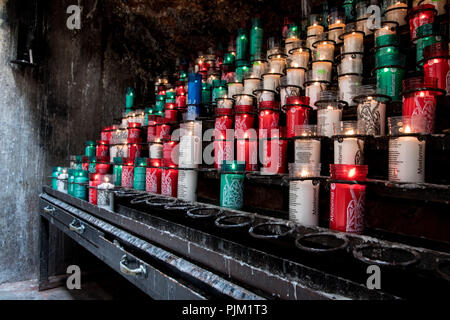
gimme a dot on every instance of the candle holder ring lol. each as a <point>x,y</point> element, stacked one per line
<point>299,48</point>
<point>365,182</point>
<point>159,201</point>
<point>340,137</point>
<point>242,95</point>
<point>255,92</point>
<point>322,242</point>
<point>353,54</point>
<point>393,66</point>
<point>319,138</point>
<point>307,83</point>
<point>329,41</point>
<point>234,221</point>
<point>278,55</point>
<point>203,213</point>
<point>441,91</point>
<point>180,206</point>
<point>341,103</point>
<point>420,62</point>
<point>392,256</point>
<point>271,230</point>
<point>418,135</point>
<point>142,198</point>
<point>362,97</point>
<point>126,193</point>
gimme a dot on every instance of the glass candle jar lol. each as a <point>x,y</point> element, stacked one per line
<point>127,173</point>
<point>229,58</point>
<point>244,99</point>
<point>224,121</point>
<point>129,98</point>
<point>418,16</point>
<point>194,89</point>
<point>117,171</point>
<point>299,57</point>
<point>307,145</point>
<point>389,81</point>
<point>139,174</point>
<point>265,95</point>
<point>171,113</point>
<point>242,44</point>
<point>336,24</point>
<point>105,194</point>
<point>235,88</point>
<point>94,181</point>
<point>348,84</point>
<point>386,35</point>
<point>277,64</point>
<point>153,176</point>
<point>269,120</point>
<point>313,90</point>
<point>89,149</point>
<point>274,155</point>
<point>437,64</point>
<point>395,10</point>
<point>134,130</point>
<point>322,70</point>
<point>170,153</point>
<point>102,148</point>
<point>80,181</point>
<point>256,39</point>
<point>304,193</point>
<point>427,35</point>
<point>329,113</point>
<point>371,111</point>
<point>259,68</point>
<point>187,185</point>
<point>353,39</point>
<point>271,81</point>
<point>314,30</point>
<point>232,185</point>
<point>323,49</point>
<point>62,184</point>
<point>296,115</point>
<point>419,99</point>
<point>134,148</point>
<point>310,40</point>
<point>347,200</point>
<point>206,94</point>
<point>251,84</point>
<point>169,181</point>
<point>348,149</point>
<point>190,146</point>
<point>406,149</point>
<point>350,63</point>
<point>439,5</point>
<point>56,171</point>
<point>286,92</point>
<point>70,181</point>
<point>244,120</point>
<point>224,103</point>
<point>247,149</point>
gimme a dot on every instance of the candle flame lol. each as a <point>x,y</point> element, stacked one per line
<point>304,173</point>
<point>422,94</point>
<point>407,129</point>
<point>350,132</point>
<point>352,173</point>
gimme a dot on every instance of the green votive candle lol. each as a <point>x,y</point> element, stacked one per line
<point>206,93</point>
<point>89,150</point>
<point>140,167</point>
<point>55,173</point>
<point>232,184</point>
<point>80,188</point>
<point>389,81</point>
<point>242,45</point>
<point>92,164</point>
<point>256,39</point>
<point>129,98</point>
<point>117,171</point>
<point>70,181</point>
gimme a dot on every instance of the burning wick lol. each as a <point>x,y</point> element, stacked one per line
<point>352,173</point>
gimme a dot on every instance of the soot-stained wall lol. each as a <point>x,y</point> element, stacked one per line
<point>46,114</point>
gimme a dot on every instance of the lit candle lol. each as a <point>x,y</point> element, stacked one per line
<point>313,90</point>
<point>314,30</point>
<point>244,121</point>
<point>102,148</point>
<point>389,81</point>
<point>437,64</point>
<point>226,103</point>
<point>351,63</point>
<point>299,57</point>
<point>232,185</point>
<point>134,148</point>
<point>296,115</point>
<point>169,182</point>
<point>117,172</point>
<point>277,64</point>
<point>127,173</point>
<point>251,84</point>
<point>94,181</point>
<point>347,201</point>
<point>274,156</point>
<point>324,50</point>
<point>268,122</point>
<point>265,95</point>
<point>153,177</point>
<point>271,81</point>
<point>235,88</point>
<point>307,145</point>
<point>80,181</point>
<point>223,122</point>
<point>335,30</point>
<point>90,149</point>
<point>386,35</point>
<point>304,194</point>
<point>244,99</point>
<point>310,40</point>
<point>247,151</point>
<point>321,70</point>
<point>55,173</point>
<point>418,16</point>
<point>439,5</point>
<point>396,10</point>
<point>156,150</point>
<point>329,116</point>
<point>371,110</point>
<point>223,151</point>
<point>348,84</point>
<point>353,41</point>
<point>259,68</point>
<point>105,196</point>
<point>140,174</point>
<point>406,153</point>
<point>348,149</point>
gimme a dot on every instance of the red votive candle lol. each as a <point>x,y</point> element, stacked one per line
<point>134,130</point>
<point>151,128</point>
<point>134,148</point>
<point>170,154</point>
<point>85,163</point>
<point>223,151</point>
<point>296,115</point>
<point>153,176</point>
<point>106,134</point>
<point>170,112</point>
<point>419,99</point>
<point>347,201</point>
<point>247,150</point>
<point>418,16</point>
<point>437,64</point>
<point>169,182</point>
<point>102,148</point>
<point>102,165</point>
<point>269,120</point>
<point>244,120</point>
<point>180,102</point>
<point>224,121</point>
<point>127,173</point>
<point>163,130</point>
<point>94,180</point>
<point>274,156</point>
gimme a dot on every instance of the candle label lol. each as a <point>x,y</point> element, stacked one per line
<point>127,176</point>
<point>327,119</point>
<point>424,106</point>
<point>153,180</point>
<point>295,117</point>
<point>307,151</point>
<point>247,151</point>
<point>347,207</point>
<point>93,192</point>
<point>304,202</point>
<point>169,180</point>
<point>223,150</point>
<point>232,191</point>
<point>187,185</point>
<point>349,151</point>
<point>407,160</point>
<point>371,116</point>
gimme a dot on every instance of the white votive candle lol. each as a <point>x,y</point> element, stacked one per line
<point>397,12</point>
<point>304,202</point>
<point>321,71</point>
<point>324,51</point>
<point>406,160</point>
<point>349,151</point>
<point>347,87</point>
<point>271,81</point>
<point>354,42</point>
<point>187,185</point>
<point>327,119</point>
<point>295,76</point>
<point>307,151</point>
<point>299,58</point>
<point>235,88</point>
<point>314,30</point>
<point>335,30</point>
<point>251,84</point>
<point>277,64</point>
<point>105,196</point>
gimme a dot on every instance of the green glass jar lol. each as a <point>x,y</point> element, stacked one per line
<point>256,39</point>
<point>349,9</point>
<point>89,150</point>
<point>92,164</point>
<point>140,167</point>
<point>386,40</point>
<point>229,58</point>
<point>390,81</point>
<point>170,97</point>
<point>242,44</point>
<point>206,93</point>
<point>71,180</point>
<point>129,98</point>
<point>80,189</point>
<point>55,173</point>
<point>241,72</point>
<point>160,97</point>
<point>79,162</point>
<point>232,184</point>
<point>117,171</point>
